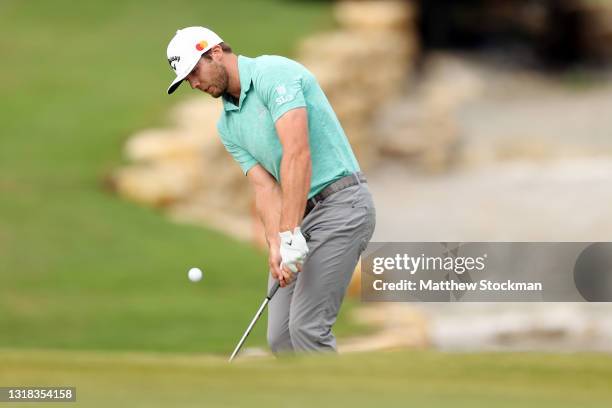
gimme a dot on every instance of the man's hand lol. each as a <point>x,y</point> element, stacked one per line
<point>293,251</point>
<point>274,262</point>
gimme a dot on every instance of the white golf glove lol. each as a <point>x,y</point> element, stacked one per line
<point>293,249</point>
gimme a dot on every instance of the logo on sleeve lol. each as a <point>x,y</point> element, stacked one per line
<point>281,90</point>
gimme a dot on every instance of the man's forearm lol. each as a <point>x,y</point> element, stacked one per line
<point>268,204</point>
<point>295,183</point>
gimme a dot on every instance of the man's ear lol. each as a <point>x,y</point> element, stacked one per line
<point>216,52</point>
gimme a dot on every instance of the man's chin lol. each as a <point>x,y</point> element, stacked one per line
<point>213,94</point>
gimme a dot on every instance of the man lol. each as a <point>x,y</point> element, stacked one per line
<point>317,212</point>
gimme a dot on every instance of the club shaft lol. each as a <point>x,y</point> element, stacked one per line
<point>257,316</point>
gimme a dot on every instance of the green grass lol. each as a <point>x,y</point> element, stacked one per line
<point>423,379</point>
<point>79,267</point>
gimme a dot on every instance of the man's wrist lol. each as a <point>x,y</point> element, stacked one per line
<point>273,241</point>
<point>287,227</point>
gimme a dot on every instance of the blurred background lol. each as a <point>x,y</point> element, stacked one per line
<point>474,120</point>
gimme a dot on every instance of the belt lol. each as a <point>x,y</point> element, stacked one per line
<point>338,185</point>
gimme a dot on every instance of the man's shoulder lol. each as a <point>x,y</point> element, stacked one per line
<point>271,64</point>
<point>266,61</point>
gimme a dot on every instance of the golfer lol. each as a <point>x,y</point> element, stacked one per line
<point>312,198</point>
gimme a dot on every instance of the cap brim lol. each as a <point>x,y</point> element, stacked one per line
<point>175,84</point>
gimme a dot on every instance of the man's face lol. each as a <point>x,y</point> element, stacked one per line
<point>208,76</point>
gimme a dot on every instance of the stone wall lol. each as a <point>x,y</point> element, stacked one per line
<point>185,169</point>
<point>366,68</point>
<point>367,61</point>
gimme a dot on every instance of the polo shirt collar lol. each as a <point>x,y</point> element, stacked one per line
<point>245,72</point>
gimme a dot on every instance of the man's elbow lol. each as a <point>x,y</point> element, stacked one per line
<point>299,154</point>
<point>261,180</point>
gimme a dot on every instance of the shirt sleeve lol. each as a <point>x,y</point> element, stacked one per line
<point>281,89</point>
<point>240,155</point>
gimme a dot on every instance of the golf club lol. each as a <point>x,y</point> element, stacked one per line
<point>257,315</point>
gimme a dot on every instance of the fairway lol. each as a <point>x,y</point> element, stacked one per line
<point>420,379</point>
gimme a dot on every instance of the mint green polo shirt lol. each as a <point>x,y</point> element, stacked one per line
<point>270,87</point>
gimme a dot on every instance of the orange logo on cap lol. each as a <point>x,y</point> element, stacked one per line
<point>201,45</point>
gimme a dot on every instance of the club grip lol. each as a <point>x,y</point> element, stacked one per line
<point>273,290</point>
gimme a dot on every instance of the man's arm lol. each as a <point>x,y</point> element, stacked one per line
<point>296,167</point>
<point>268,201</point>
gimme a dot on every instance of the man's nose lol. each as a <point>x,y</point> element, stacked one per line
<point>192,82</point>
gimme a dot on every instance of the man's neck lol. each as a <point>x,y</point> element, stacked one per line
<point>233,86</point>
<point>232,99</point>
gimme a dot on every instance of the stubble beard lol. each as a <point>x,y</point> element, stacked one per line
<point>220,83</point>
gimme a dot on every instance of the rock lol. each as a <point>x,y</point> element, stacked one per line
<point>374,15</point>
<point>354,288</point>
<point>421,127</point>
<point>198,114</point>
<point>399,326</point>
<point>162,144</point>
<point>450,81</point>
<point>160,183</point>
<point>363,64</point>
<point>416,134</point>
<point>597,38</point>
<point>186,170</point>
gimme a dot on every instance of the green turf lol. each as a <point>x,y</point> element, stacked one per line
<point>414,379</point>
<point>79,267</point>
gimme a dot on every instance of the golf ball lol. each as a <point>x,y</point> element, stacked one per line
<point>195,274</point>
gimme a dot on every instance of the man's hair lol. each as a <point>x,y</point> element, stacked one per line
<point>224,46</point>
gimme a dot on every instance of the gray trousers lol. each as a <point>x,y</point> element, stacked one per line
<point>301,315</point>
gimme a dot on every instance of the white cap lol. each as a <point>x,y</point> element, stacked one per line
<point>185,49</point>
